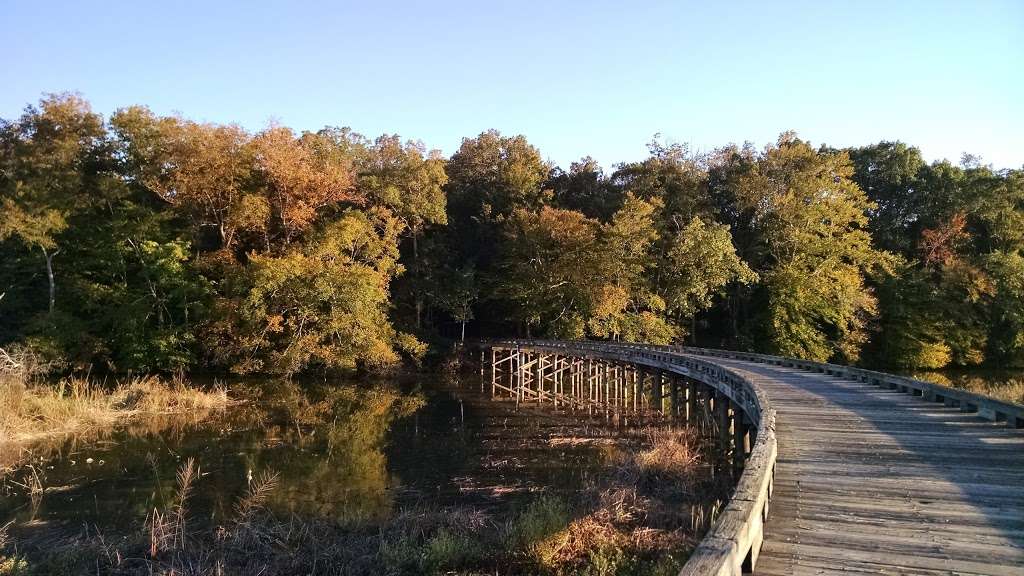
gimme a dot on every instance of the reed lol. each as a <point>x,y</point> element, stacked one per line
<point>621,524</point>
<point>35,409</point>
<point>642,517</point>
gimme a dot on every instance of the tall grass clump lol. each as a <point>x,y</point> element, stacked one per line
<point>34,407</point>
<point>640,521</point>
<point>541,518</point>
<point>1011,390</point>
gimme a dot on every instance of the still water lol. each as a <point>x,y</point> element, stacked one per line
<point>351,453</point>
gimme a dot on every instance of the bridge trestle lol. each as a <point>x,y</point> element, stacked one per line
<point>622,391</point>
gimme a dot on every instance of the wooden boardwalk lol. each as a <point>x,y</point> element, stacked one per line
<point>871,481</point>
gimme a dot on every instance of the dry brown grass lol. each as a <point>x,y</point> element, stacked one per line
<point>644,514</point>
<point>34,410</point>
<point>1008,391</point>
<point>998,384</point>
<point>671,455</point>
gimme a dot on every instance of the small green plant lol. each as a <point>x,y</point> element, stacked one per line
<point>541,518</point>
<point>448,549</point>
<point>605,560</point>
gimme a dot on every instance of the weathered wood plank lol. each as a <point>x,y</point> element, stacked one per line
<point>874,481</point>
<point>869,473</point>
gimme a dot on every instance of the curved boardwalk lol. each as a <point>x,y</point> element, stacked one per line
<point>871,481</point>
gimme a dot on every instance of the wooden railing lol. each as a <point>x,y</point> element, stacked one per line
<point>983,406</point>
<point>733,542</point>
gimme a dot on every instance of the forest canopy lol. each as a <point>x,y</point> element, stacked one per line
<point>147,242</point>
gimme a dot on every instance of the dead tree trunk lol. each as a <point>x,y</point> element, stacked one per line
<point>49,275</point>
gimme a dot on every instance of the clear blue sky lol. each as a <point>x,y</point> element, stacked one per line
<point>577,78</point>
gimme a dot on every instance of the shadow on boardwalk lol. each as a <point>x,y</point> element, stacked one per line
<point>878,481</point>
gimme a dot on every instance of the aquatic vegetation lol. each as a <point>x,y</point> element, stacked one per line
<point>641,519</point>
<point>671,456</point>
<point>35,410</point>
<point>302,481</point>
<point>40,412</point>
<point>542,518</point>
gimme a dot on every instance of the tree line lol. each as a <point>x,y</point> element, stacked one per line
<point>147,242</point>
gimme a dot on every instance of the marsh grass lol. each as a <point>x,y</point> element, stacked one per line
<point>629,522</point>
<point>35,409</point>
<point>635,517</point>
<point>1005,385</point>
<point>643,519</point>
<point>1008,391</point>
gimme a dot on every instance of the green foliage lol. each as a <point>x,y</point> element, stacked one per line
<point>960,230</point>
<point>671,175</point>
<point>174,241</point>
<point>911,321</point>
<point>47,157</point>
<point>325,303</point>
<point>493,175</point>
<point>700,263</point>
<point>814,251</point>
<point>158,243</point>
<point>585,188</point>
<point>126,292</point>
<point>890,174</point>
<point>548,268</point>
<point>407,180</point>
<point>448,549</point>
<point>149,326</point>
<point>540,519</point>
<point>1007,270</point>
<point>627,308</point>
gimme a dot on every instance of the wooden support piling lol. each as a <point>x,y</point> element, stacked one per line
<point>691,402</point>
<point>740,442</point>
<point>722,414</point>
<point>674,383</point>
<point>657,402</point>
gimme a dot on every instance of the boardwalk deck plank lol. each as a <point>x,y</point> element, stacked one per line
<point>856,478</point>
<point>872,481</point>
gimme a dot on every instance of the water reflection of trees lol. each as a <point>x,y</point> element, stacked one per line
<point>325,442</point>
<point>336,467</point>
